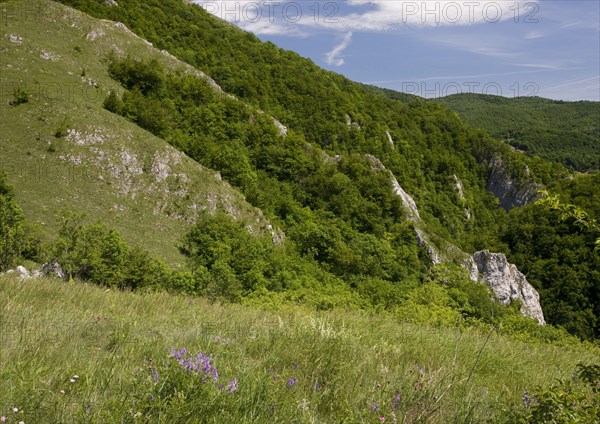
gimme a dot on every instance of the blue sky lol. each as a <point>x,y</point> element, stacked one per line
<point>548,48</point>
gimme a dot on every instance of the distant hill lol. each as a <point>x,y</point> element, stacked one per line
<point>559,131</point>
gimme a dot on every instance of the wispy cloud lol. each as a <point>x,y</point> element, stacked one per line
<point>333,57</point>
<point>532,35</point>
<point>575,89</point>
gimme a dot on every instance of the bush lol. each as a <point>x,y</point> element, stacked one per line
<point>100,255</point>
<point>20,96</point>
<point>12,233</point>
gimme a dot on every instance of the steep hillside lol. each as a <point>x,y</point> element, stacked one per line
<point>376,195</point>
<point>563,132</point>
<point>62,149</point>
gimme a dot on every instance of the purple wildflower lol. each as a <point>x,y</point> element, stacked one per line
<point>199,364</point>
<point>396,401</point>
<point>526,399</point>
<point>154,375</point>
<point>233,385</point>
<point>317,386</point>
<point>291,382</point>
<point>374,407</point>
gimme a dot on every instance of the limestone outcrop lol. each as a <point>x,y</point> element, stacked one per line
<point>508,283</point>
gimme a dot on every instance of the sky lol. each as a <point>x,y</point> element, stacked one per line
<point>433,48</point>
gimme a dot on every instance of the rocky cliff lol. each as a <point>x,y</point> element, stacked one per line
<point>508,283</point>
<point>510,190</point>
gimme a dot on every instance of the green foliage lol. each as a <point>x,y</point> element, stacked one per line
<point>21,96</point>
<point>113,103</point>
<point>566,402</point>
<point>61,130</point>
<point>472,299</point>
<point>100,255</point>
<point>12,232</point>
<point>559,258</point>
<point>563,132</point>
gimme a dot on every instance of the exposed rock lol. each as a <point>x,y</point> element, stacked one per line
<point>280,127</point>
<point>97,33</point>
<point>89,81</point>
<point>470,265</point>
<point>49,56</point>
<point>22,271</point>
<point>390,139</point>
<point>277,236</point>
<point>423,243</point>
<point>331,159</point>
<point>123,27</point>
<point>111,2</point>
<point>15,39</point>
<point>351,124</point>
<point>52,269</point>
<point>510,191</point>
<point>407,201</point>
<point>508,283</point>
<point>85,138</point>
<point>460,189</point>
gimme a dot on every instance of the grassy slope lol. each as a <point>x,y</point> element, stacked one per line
<point>53,330</point>
<point>113,170</point>
<point>564,132</point>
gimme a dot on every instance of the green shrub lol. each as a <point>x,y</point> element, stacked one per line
<point>12,232</point>
<point>20,95</point>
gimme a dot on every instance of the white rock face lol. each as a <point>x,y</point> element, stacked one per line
<point>282,129</point>
<point>407,201</point>
<point>470,265</point>
<point>390,139</point>
<point>508,283</point>
<point>423,243</point>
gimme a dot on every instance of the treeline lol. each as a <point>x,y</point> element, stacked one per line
<point>564,132</point>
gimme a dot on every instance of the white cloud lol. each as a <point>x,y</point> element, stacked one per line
<point>532,35</point>
<point>374,15</point>
<point>332,58</point>
<point>384,14</point>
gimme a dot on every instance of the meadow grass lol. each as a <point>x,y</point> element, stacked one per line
<point>291,365</point>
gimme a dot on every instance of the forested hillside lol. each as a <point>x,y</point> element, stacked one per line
<point>559,131</point>
<point>337,233</point>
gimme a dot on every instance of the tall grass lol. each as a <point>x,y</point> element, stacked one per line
<point>291,365</point>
